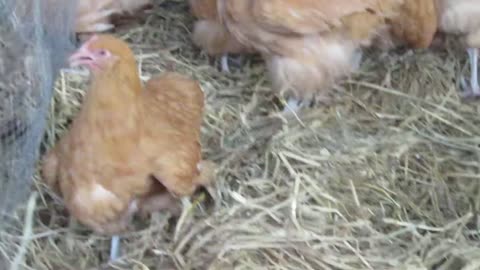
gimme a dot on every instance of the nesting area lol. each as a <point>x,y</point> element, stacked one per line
<point>386,176</point>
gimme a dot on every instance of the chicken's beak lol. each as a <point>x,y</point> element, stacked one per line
<point>82,57</point>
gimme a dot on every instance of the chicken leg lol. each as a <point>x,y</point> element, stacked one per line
<point>149,204</point>
<point>115,242</point>
<point>224,62</point>
<point>472,90</point>
<point>114,248</point>
<point>293,105</point>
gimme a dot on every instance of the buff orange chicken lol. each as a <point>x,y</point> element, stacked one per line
<point>131,148</point>
<point>309,44</point>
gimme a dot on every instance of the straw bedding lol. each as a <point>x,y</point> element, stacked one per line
<point>384,177</point>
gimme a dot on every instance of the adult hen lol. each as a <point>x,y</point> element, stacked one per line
<point>462,17</point>
<point>130,148</point>
<point>211,35</point>
<point>95,16</point>
<point>309,44</point>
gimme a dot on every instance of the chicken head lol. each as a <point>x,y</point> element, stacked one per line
<point>100,52</point>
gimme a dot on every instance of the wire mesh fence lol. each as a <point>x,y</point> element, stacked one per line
<point>34,39</point>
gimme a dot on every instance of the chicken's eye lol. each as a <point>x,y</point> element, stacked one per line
<point>102,53</point>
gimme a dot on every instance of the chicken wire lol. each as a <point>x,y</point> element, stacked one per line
<point>35,36</point>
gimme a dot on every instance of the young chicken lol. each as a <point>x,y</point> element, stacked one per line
<point>130,148</point>
<point>211,35</point>
<point>462,17</point>
<point>310,44</point>
<point>94,16</point>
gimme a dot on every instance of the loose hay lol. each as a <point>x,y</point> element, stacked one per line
<point>385,178</point>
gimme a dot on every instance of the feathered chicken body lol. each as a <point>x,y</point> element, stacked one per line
<point>310,44</point>
<point>307,44</point>
<point>130,148</point>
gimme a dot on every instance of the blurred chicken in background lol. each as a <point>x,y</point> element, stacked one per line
<point>462,17</point>
<point>308,45</point>
<point>95,15</point>
<point>131,148</point>
<point>211,35</point>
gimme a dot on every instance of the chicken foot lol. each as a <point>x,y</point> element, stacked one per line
<point>294,105</point>
<point>224,62</point>
<point>472,90</point>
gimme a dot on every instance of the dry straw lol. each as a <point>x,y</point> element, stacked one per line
<point>387,177</point>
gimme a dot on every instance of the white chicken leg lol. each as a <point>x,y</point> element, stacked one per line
<point>225,59</point>
<point>473,90</point>
<point>224,63</point>
<point>114,247</point>
<point>293,105</point>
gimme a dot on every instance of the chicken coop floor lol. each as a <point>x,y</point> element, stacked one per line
<point>384,177</point>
